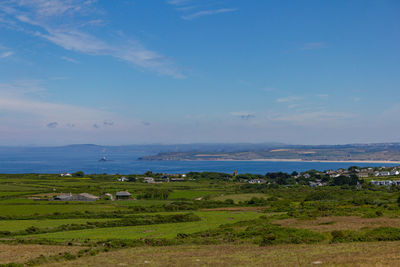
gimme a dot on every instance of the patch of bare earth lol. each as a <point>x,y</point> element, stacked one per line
<point>339,223</point>
<point>22,253</point>
<point>346,254</point>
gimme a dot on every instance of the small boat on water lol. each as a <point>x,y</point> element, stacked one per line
<point>104,159</point>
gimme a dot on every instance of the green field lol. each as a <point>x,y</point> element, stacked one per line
<point>186,194</point>
<point>40,209</point>
<point>240,220</point>
<point>239,197</point>
<point>209,220</point>
<point>16,225</point>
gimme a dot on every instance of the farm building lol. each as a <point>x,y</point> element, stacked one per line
<point>77,197</point>
<point>108,196</point>
<point>123,195</point>
<point>149,180</point>
<point>63,197</point>
<point>84,197</point>
<point>65,174</point>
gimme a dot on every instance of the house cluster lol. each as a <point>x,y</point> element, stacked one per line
<point>361,173</point>
<point>386,182</point>
<point>316,183</point>
<point>164,178</point>
<point>257,181</point>
<point>365,172</point>
<point>175,175</point>
<point>393,172</point>
<point>89,197</point>
<point>65,174</point>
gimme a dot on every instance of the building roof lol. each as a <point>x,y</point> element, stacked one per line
<point>63,195</point>
<point>88,195</point>
<point>123,194</point>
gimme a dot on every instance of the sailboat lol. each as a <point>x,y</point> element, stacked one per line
<point>103,159</point>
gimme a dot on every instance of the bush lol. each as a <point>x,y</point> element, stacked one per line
<point>268,240</point>
<point>229,201</point>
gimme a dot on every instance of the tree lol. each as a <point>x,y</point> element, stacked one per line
<point>398,201</point>
<point>345,180</point>
<point>78,174</point>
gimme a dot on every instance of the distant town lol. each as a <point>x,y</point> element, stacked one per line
<point>354,175</point>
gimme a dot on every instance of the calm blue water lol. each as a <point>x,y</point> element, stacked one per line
<point>37,161</point>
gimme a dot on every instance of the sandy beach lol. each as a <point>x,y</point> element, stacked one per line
<point>301,160</point>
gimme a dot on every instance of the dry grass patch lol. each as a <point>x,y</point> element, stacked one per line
<point>346,254</point>
<point>339,223</point>
<point>22,253</point>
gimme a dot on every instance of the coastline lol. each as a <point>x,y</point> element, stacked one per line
<point>299,160</point>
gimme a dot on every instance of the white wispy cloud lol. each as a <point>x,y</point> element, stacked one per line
<point>208,12</point>
<point>292,106</point>
<point>6,54</point>
<point>69,59</point>
<point>48,111</point>
<point>22,87</point>
<point>23,100</point>
<point>193,9</point>
<point>289,99</point>
<point>72,33</point>
<point>178,2</point>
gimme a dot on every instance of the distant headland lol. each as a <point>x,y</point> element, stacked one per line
<point>357,153</point>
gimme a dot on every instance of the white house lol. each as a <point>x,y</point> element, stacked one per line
<point>149,180</point>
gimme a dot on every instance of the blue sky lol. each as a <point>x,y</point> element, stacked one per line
<point>182,71</point>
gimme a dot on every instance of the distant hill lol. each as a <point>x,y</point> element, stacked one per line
<point>350,152</point>
<point>240,151</point>
<point>142,149</point>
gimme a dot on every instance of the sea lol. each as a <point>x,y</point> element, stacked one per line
<point>127,162</point>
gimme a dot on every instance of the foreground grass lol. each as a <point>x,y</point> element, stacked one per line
<point>349,254</point>
<point>209,220</point>
<point>22,253</point>
<point>323,224</point>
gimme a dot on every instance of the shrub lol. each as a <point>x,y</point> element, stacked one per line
<point>268,239</point>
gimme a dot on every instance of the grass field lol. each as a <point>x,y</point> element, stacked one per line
<point>186,194</point>
<point>323,224</point>
<point>141,202</point>
<point>20,210</point>
<point>16,225</point>
<point>301,226</point>
<point>6,194</point>
<point>239,197</point>
<point>350,254</point>
<point>209,220</point>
